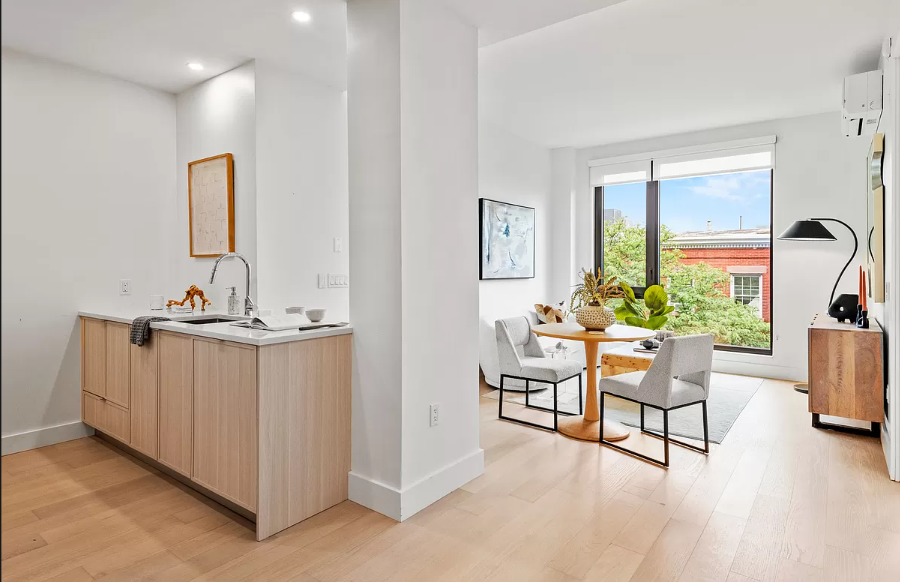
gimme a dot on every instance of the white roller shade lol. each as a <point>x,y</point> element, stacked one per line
<point>744,159</point>
<point>621,173</point>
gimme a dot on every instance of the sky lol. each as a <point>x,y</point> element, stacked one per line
<point>687,203</point>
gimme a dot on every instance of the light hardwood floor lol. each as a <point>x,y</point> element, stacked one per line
<point>778,500</point>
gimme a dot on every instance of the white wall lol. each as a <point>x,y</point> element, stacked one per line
<point>439,230</point>
<point>88,162</point>
<point>511,169</point>
<point>414,290</point>
<point>301,190</point>
<point>818,173</point>
<point>215,117</point>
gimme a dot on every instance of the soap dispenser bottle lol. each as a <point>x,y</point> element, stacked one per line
<point>234,304</point>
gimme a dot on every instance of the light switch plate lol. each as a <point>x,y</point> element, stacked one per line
<point>338,244</point>
<point>124,286</point>
<point>323,280</point>
<point>338,280</point>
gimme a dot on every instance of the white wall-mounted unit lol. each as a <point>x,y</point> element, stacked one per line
<point>863,100</point>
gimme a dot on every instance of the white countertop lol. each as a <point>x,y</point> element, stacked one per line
<point>222,331</point>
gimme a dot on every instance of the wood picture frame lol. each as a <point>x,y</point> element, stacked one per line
<point>211,206</point>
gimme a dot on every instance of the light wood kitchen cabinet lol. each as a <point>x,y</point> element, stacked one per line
<point>225,428</point>
<point>176,371</point>
<point>145,396</point>
<point>261,426</point>
<point>118,363</point>
<point>93,356</point>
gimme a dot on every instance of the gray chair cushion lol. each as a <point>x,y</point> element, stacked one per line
<point>629,386</point>
<point>549,370</point>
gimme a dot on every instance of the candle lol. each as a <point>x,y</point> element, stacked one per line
<point>864,302</point>
<point>859,288</point>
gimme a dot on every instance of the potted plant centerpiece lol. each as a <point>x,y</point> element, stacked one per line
<point>651,315</point>
<point>589,300</point>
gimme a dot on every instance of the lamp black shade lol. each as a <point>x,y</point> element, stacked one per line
<point>807,230</point>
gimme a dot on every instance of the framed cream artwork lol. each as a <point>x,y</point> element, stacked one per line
<point>211,205</point>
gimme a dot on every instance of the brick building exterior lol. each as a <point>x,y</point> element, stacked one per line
<point>743,254</point>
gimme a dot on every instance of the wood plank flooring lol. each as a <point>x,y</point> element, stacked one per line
<point>777,500</point>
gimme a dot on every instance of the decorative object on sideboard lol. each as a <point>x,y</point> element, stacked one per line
<point>652,314</point>
<point>812,229</point>
<point>589,299</point>
<point>506,240</point>
<point>862,317</point>
<point>844,308</point>
<point>189,295</point>
<point>875,221</point>
<point>211,206</point>
<point>550,313</point>
<point>157,302</point>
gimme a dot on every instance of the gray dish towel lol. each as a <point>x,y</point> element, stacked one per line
<point>140,328</point>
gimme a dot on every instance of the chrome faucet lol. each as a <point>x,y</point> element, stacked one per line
<point>248,303</point>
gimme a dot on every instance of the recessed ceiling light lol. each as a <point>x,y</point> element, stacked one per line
<point>301,16</point>
<point>195,66</point>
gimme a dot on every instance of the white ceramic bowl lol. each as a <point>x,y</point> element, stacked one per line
<point>315,315</point>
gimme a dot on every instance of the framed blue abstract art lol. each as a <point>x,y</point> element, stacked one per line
<point>506,240</point>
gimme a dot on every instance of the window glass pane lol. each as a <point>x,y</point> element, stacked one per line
<point>624,232</point>
<point>715,241</point>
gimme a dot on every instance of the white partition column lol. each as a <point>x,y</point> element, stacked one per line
<point>413,146</point>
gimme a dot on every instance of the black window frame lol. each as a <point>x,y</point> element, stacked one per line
<point>653,254</point>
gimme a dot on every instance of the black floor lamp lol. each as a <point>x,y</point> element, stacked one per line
<point>812,229</point>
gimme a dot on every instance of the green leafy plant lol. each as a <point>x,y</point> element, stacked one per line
<point>652,314</point>
<point>594,290</point>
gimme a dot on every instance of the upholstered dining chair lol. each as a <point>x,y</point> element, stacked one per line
<point>521,357</point>
<point>678,377</point>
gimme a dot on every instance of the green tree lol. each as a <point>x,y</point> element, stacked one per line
<point>696,291</point>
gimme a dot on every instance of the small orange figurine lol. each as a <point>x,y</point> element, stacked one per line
<point>189,295</point>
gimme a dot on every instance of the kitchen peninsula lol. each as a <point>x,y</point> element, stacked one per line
<point>257,420</point>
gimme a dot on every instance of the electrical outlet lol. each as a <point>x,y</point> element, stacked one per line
<point>338,244</point>
<point>434,412</point>
<point>124,286</point>
<point>323,281</point>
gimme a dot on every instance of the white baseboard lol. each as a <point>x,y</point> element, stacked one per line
<point>43,437</point>
<point>757,370</point>
<point>401,505</point>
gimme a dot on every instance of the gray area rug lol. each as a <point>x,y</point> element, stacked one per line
<point>728,395</point>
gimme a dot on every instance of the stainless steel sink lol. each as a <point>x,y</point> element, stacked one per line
<point>205,320</point>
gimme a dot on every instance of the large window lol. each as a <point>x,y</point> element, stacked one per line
<point>702,229</point>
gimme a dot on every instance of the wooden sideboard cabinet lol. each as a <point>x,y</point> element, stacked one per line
<point>846,373</point>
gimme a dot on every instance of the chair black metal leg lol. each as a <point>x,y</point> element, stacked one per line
<point>602,407</point>
<point>666,435</point>
<point>705,430</point>
<point>526,392</point>
<point>580,397</point>
<point>500,413</point>
<point>642,418</point>
<point>555,408</point>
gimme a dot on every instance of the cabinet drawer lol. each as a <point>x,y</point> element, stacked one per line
<point>106,416</point>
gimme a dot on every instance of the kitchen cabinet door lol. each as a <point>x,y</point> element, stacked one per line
<point>118,363</point>
<point>176,365</point>
<point>225,420</point>
<point>93,356</point>
<point>145,396</point>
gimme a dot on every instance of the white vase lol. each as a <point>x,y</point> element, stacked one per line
<point>595,318</point>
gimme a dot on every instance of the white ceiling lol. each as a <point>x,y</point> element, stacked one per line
<point>646,68</point>
<point>502,19</point>
<point>151,41</point>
